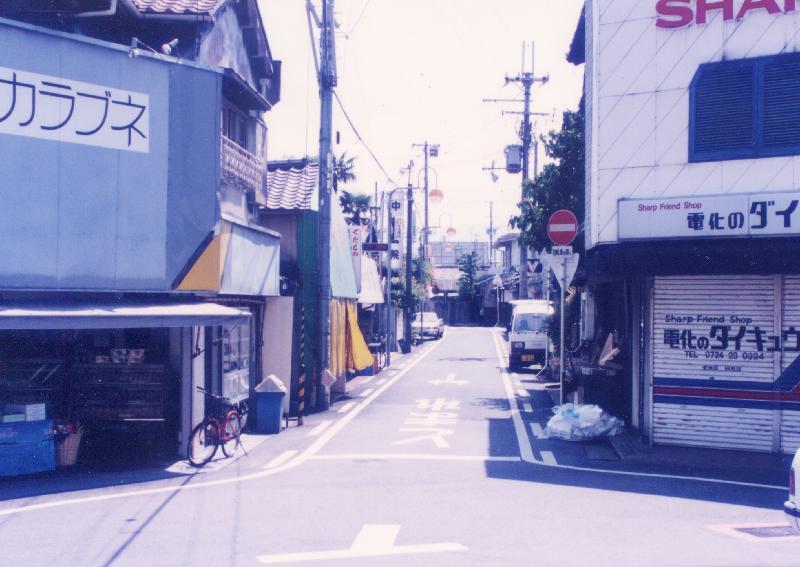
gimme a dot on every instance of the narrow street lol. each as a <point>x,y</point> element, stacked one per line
<point>433,462</point>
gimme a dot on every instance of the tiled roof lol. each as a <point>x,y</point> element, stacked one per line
<point>178,6</point>
<point>292,185</point>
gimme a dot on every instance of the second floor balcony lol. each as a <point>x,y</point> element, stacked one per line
<point>241,168</point>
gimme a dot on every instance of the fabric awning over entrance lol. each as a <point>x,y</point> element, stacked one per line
<point>116,316</point>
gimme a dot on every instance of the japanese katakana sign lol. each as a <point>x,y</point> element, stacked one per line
<point>53,108</point>
<point>767,214</point>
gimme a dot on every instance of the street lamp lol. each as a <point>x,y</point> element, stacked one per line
<point>451,231</point>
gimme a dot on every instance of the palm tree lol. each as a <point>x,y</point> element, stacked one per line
<point>343,170</point>
<point>355,205</point>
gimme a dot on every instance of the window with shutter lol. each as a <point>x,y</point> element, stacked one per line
<point>724,111</point>
<point>746,109</point>
<point>781,105</point>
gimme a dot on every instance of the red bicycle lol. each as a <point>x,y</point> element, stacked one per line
<point>222,425</point>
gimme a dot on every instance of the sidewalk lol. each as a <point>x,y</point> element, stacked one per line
<point>261,451</point>
<point>630,453</point>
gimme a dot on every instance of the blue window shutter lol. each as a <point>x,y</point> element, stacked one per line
<point>781,105</point>
<point>724,112</point>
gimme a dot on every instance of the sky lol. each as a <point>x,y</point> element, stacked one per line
<point>412,71</point>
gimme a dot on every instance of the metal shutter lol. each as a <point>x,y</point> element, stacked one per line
<point>781,110</point>
<point>699,401</point>
<point>724,113</point>
<point>790,418</point>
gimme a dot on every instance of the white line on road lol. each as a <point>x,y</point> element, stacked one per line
<point>537,430</point>
<point>347,407</point>
<point>319,429</point>
<point>548,458</point>
<point>372,541</point>
<point>527,407</point>
<point>303,457</point>
<point>367,380</point>
<point>414,457</point>
<point>281,459</point>
<point>523,394</point>
<point>380,382</point>
<point>526,453</point>
<point>366,393</point>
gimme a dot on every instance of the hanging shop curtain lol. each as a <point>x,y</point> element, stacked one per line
<point>348,348</point>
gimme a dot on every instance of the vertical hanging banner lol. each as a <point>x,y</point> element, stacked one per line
<point>355,234</point>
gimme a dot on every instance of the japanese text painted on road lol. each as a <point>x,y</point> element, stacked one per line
<point>53,108</point>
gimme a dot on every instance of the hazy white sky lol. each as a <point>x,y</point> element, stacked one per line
<point>417,70</point>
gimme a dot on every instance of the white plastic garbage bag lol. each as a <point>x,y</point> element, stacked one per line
<point>573,422</point>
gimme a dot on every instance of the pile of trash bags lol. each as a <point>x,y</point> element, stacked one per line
<point>578,422</point>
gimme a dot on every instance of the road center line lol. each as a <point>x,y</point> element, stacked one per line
<point>524,442</point>
<point>347,407</point>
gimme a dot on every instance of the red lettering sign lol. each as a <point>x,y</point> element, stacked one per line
<point>674,14</point>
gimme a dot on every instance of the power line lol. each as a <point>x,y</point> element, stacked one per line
<point>360,139</point>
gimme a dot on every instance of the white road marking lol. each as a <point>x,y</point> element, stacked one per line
<point>319,429</point>
<point>366,393</point>
<point>414,457</point>
<point>527,407</point>
<point>347,407</point>
<point>537,430</point>
<point>526,453</point>
<point>548,458</point>
<point>372,541</point>
<point>284,457</point>
<point>367,380</point>
<point>523,394</point>
<point>449,381</point>
<point>380,382</point>
<point>302,458</point>
<point>732,530</point>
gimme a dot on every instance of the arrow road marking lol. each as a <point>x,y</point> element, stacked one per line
<point>372,541</point>
<point>449,381</point>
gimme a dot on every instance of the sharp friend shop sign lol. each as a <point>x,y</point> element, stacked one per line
<point>743,215</point>
<point>680,13</point>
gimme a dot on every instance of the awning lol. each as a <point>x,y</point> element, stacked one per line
<point>371,289</point>
<point>41,316</point>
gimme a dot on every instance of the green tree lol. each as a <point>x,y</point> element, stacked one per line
<point>344,170</point>
<point>561,185</point>
<point>469,265</point>
<point>355,207</point>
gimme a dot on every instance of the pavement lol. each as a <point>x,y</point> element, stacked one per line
<point>435,462</point>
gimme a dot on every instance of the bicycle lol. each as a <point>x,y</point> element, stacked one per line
<point>378,350</point>
<point>221,425</point>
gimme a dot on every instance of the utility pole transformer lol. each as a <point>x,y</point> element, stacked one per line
<point>327,82</point>
<point>527,80</point>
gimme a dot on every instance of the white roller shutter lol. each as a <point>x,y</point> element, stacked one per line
<point>697,369</point>
<point>790,417</point>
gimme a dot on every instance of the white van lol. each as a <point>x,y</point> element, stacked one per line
<point>528,336</point>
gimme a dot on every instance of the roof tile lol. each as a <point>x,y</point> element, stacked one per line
<point>292,185</point>
<point>177,6</point>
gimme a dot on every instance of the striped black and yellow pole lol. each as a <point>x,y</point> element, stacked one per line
<point>301,379</point>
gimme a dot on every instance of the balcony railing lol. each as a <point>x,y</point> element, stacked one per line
<point>239,167</point>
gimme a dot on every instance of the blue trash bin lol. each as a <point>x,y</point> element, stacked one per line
<point>269,412</point>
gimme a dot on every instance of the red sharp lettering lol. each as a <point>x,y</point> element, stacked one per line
<point>770,5</point>
<point>674,14</point>
<point>706,6</point>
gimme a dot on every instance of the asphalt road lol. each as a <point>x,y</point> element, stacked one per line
<point>429,464</point>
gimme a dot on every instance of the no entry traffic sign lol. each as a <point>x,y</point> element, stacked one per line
<point>562,227</point>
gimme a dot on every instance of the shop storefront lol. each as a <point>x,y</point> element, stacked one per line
<point>693,217</point>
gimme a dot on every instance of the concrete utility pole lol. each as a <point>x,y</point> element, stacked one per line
<point>409,242</point>
<point>327,82</point>
<point>527,80</point>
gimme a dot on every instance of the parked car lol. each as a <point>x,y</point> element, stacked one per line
<point>791,505</point>
<point>427,324</point>
<point>528,336</point>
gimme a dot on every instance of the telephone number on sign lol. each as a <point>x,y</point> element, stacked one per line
<point>716,355</point>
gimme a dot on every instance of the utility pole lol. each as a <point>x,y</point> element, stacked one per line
<point>409,241</point>
<point>527,79</point>
<point>327,82</point>
<point>491,234</point>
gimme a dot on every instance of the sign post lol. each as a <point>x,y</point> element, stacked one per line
<point>562,229</point>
